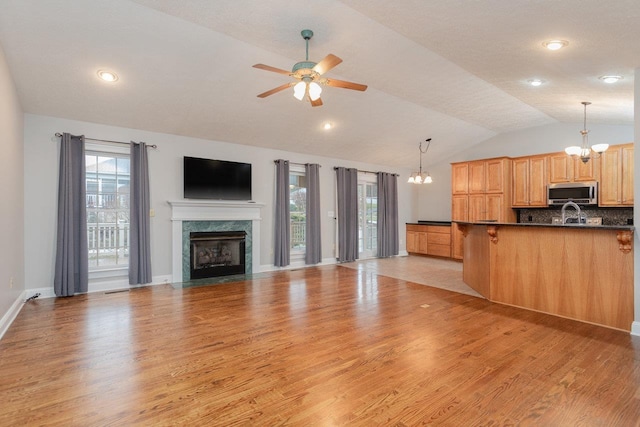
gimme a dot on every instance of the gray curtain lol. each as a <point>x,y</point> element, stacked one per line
<point>72,258</point>
<point>282,231</point>
<point>140,228</point>
<point>347,179</point>
<point>313,253</point>
<point>388,242</point>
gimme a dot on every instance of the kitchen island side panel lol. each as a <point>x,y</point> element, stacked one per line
<point>582,273</point>
<point>577,273</point>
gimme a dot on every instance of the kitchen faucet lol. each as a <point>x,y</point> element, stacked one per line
<point>573,205</point>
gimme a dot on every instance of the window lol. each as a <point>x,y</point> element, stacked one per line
<point>107,185</point>
<point>298,207</point>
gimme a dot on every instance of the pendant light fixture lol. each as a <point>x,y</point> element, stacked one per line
<point>420,177</point>
<point>584,151</point>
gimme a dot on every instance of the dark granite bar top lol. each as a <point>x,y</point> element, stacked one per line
<point>531,224</point>
<point>420,222</point>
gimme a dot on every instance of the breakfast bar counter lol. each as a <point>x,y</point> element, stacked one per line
<point>582,272</point>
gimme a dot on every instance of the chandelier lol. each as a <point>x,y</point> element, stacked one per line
<point>584,151</point>
<point>420,177</point>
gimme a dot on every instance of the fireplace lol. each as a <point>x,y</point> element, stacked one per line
<point>188,216</point>
<point>216,253</point>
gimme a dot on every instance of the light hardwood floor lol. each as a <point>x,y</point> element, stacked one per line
<point>319,346</point>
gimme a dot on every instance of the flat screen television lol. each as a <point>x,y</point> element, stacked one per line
<point>216,179</point>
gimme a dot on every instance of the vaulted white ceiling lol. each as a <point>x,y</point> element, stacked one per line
<point>455,70</point>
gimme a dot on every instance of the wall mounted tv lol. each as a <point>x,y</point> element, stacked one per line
<point>216,179</point>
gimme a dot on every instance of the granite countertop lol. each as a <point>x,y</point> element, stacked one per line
<point>421,222</point>
<point>532,224</point>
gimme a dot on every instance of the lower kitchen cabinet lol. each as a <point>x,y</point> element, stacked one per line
<point>432,240</point>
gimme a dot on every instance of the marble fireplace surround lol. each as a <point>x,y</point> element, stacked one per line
<point>212,212</point>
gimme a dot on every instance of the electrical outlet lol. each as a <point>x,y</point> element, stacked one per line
<point>11,283</point>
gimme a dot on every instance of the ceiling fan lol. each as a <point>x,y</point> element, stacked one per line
<point>309,76</point>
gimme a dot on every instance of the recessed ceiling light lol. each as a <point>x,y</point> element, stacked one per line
<point>327,126</point>
<point>535,82</point>
<point>107,76</point>
<point>555,44</point>
<point>610,79</point>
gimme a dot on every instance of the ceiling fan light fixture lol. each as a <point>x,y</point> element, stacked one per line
<point>299,90</point>
<point>314,91</point>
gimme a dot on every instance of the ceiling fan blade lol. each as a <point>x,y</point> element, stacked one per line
<point>276,90</point>
<point>345,85</point>
<point>326,64</point>
<point>316,103</point>
<point>274,69</point>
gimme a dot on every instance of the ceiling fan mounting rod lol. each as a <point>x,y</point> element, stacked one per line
<point>306,35</point>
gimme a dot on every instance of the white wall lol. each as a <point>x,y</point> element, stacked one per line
<point>11,194</point>
<point>165,164</point>
<point>434,200</point>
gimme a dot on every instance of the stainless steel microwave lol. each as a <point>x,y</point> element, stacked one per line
<point>582,193</point>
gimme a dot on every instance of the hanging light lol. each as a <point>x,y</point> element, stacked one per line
<point>314,91</point>
<point>420,177</point>
<point>584,151</point>
<point>299,90</point>
<point>306,86</point>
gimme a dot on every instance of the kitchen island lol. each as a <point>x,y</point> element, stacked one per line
<point>582,272</point>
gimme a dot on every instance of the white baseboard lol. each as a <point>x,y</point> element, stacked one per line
<point>635,328</point>
<point>103,286</point>
<point>11,314</point>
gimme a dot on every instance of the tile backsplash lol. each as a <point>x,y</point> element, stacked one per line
<point>611,216</point>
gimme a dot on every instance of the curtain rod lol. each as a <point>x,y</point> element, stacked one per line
<point>363,171</point>
<point>294,163</point>
<point>58,134</point>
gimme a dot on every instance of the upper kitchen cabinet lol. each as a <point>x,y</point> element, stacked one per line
<point>616,172</point>
<point>529,182</point>
<point>497,173</point>
<point>460,178</point>
<point>477,177</point>
<point>564,168</point>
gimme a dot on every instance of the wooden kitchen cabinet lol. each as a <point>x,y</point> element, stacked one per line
<point>560,168</point>
<point>477,177</point>
<point>529,182</point>
<point>439,241</point>
<point>489,207</point>
<point>481,176</point>
<point>497,175</point>
<point>429,239</point>
<point>616,172</point>
<point>487,197</point>
<point>460,178</point>
<point>589,171</point>
<point>459,212</point>
<point>416,239</point>
<point>564,168</point>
